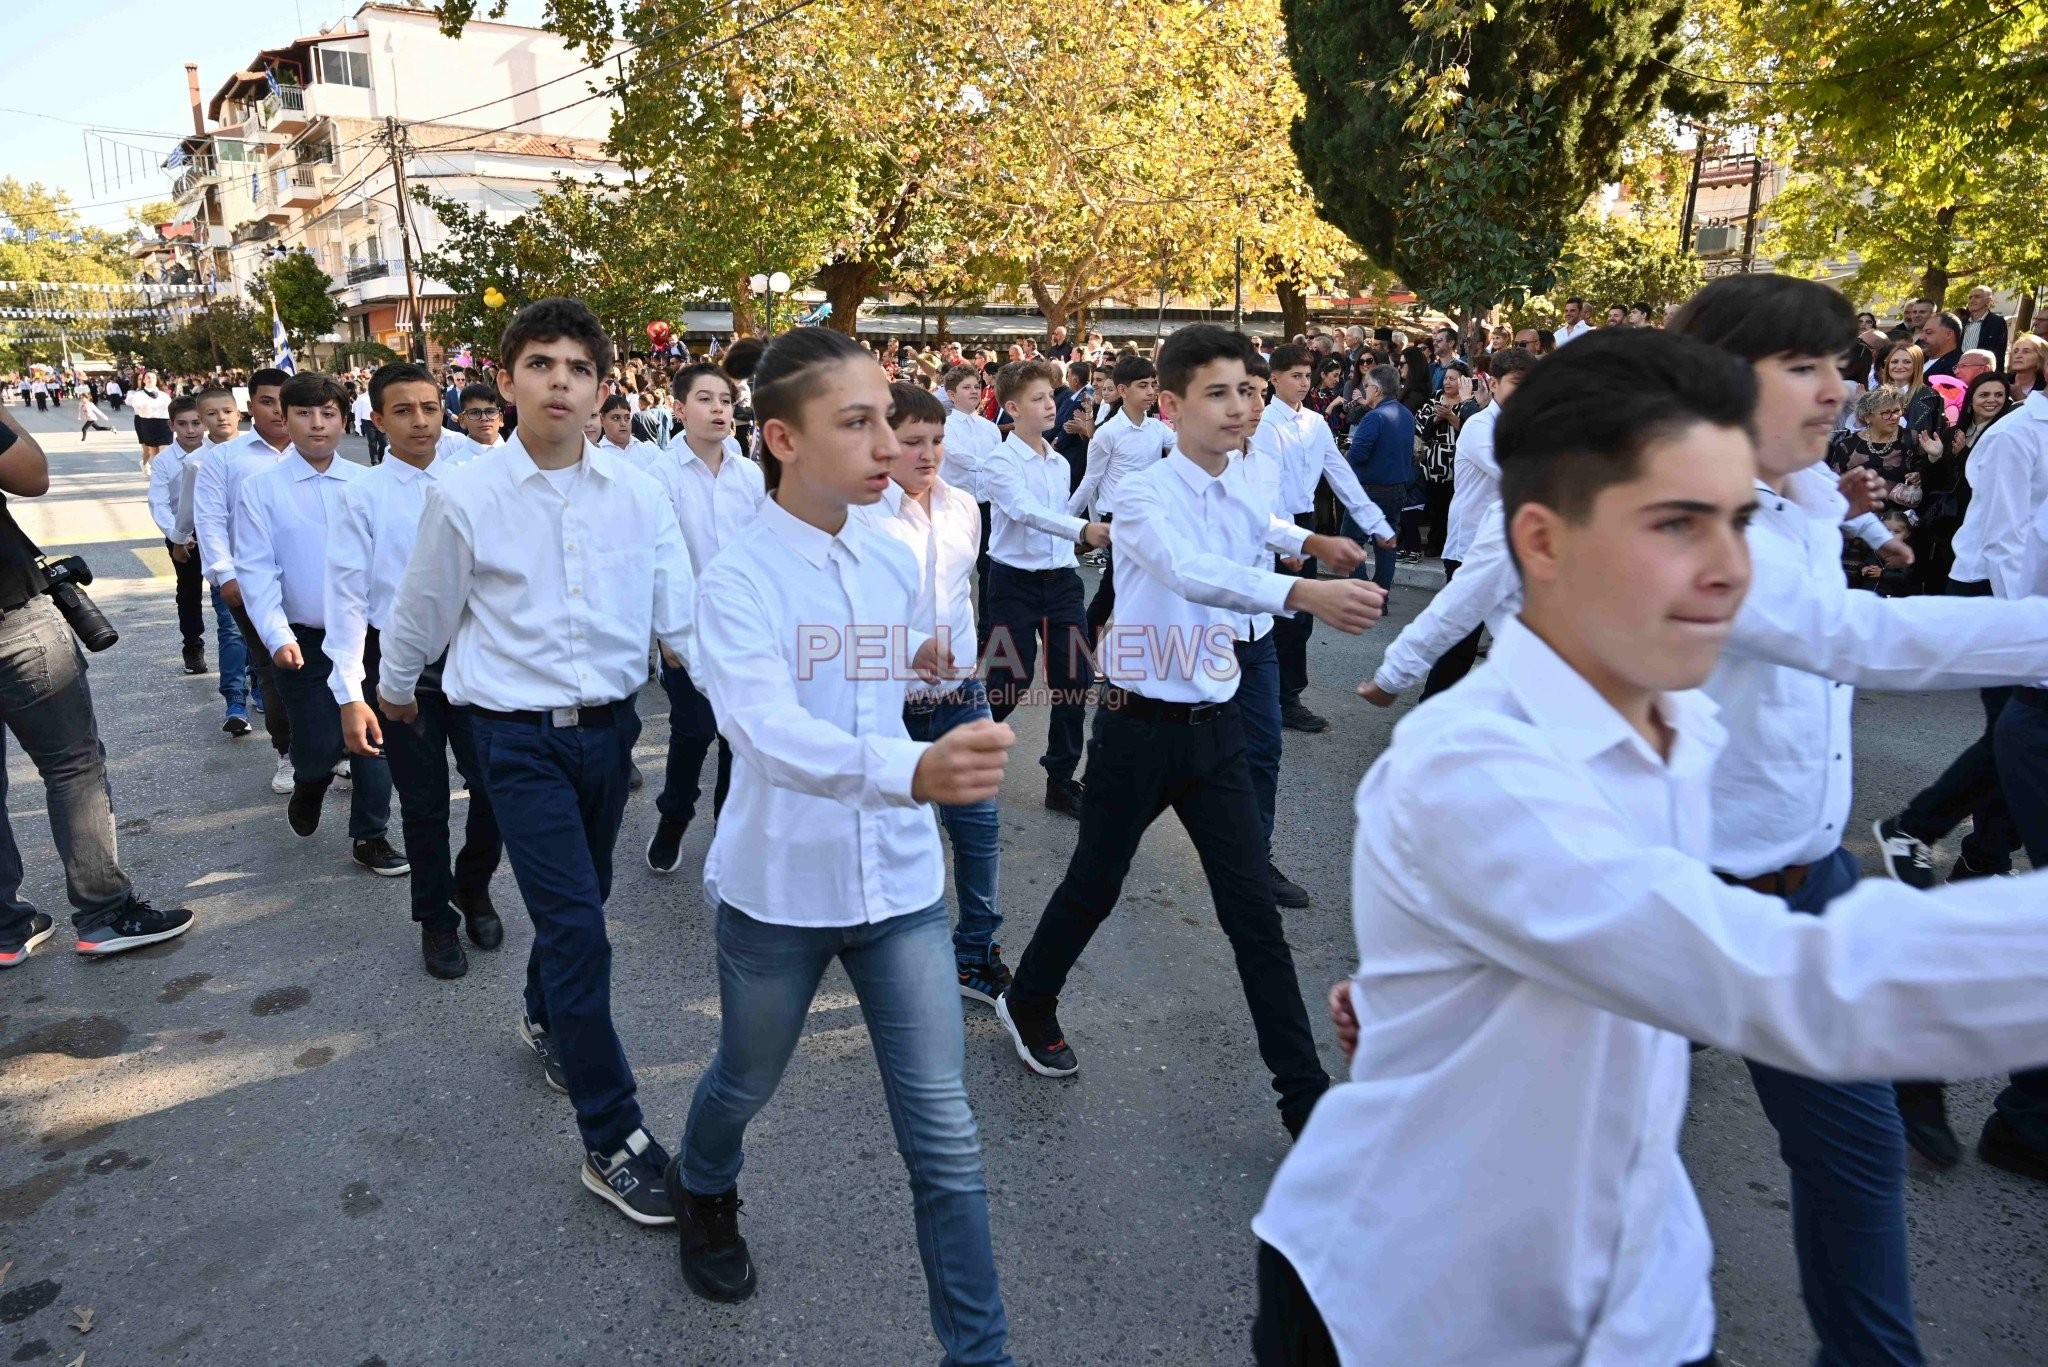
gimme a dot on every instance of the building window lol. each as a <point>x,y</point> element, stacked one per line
<point>339,66</point>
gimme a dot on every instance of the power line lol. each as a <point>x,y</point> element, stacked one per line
<point>81,123</point>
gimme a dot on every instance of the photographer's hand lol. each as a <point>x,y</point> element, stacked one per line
<point>287,656</point>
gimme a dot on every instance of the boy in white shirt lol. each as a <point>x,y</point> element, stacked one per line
<point>1126,442</point>
<point>482,415</point>
<point>970,440</point>
<point>166,478</point>
<point>219,418</point>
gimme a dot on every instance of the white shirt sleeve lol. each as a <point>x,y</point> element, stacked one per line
<point>1083,497</point>
<point>1147,532</point>
<point>1486,580</point>
<point>1870,529</point>
<point>163,479</point>
<point>210,516</point>
<point>256,568</point>
<point>2001,502</point>
<point>675,583</point>
<point>1006,491</point>
<point>1344,484</point>
<point>430,599</point>
<point>345,597</point>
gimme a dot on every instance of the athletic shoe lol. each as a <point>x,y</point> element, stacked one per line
<point>303,811</point>
<point>237,724</point>
<point>1063,795</point>
<point>2001,1146</point>
<point>442,952</point>
<point>1962,871</point>
<point>632,1179</point>
<point>716,1264</point>
<point>486,931</point>
<point>1039,1040</point>
<point>1906,859</point>
<point>1286,891</point>
<point>984,982</point>
<point>344,777</point>
<point>1923,1106</point>
<point>282,781</point>
<point>543,1046</point>
<point>1296,717</point>
<point>138,924</point>
<point>376,855</point>
<point>665,848</point>
<point>40,928</point>
<point>195,659</point>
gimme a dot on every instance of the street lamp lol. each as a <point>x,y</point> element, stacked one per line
<point>770,285</point>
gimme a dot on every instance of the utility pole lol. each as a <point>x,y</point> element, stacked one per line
<point>1756,185</point>
<point>393,140</point>
<point>1692,190</point>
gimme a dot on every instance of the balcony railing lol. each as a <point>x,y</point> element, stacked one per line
<point>285,104</point>
<point>368,270</point>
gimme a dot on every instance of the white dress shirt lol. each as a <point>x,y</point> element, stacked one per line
<point>1189,551</point>
<point>1486,592</point>
<point>369,545</point>
<point>805,660</point>
<point>1029,528</point>
<point>216,498</point>
<point>1263,473</point>
<point>281,543</point>
<point>969,441</point>
<point>713,508</point>
<point>2008,482</point>
<point>1119,449</point>
<point>1571,332</point>
<point>1301,444</point>
<point>1539,935</point>
<point>150,403</point>
<point>541,598</point>
<point>361,410</point>
<point>945,541</point>
<point>166,482</point>
<point>1475,483</point>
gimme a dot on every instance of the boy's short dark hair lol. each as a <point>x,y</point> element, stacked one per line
<point>1755,316</point>
<point>477,391</point>
<point>550,320</point>
<point>399,372</point>
<point>183,404</point>
<point>1131,368</point>
<point>1641,306</point>
<point>214,391</point>
<point>269,377</point>
<point>680,385</point>
<point>1291,356</point>
<point>1017,376</point>
<point>957,375</point>
<point>1255,365</point>
<point>1580,422</point>
<point>1510,360</point>
<point>1194,346</point>
<point>614,404</point>
<point>908,403</point>
<point>313,389</point>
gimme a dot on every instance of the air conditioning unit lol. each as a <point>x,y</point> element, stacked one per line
<point>1713,241</point>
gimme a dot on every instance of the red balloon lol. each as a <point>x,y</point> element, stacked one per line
<point>659,333</point>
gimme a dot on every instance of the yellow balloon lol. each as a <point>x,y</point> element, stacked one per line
<point>493,298</point>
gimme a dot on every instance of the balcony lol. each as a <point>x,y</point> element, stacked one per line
<point>367,270</point>
<point>283,111</point>
<point>268,208</point>
<point>297,188</point>
<point>196,176</point>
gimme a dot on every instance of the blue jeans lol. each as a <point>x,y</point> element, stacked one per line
<point>558,794</point>
<point>903,974</point>
<point>691,729</point>
<point>974,828</point>
<point>1846,1148</point>
<point>1258,698</point>
<point>316,739</point>
<point>2020,745</point>
<point>234,656</point>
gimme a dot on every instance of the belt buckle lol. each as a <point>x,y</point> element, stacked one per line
<point>566,717</point>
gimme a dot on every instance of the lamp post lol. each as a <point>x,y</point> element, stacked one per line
<point>770,285</point>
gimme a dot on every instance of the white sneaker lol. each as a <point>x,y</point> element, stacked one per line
<point>281,782</point>
<point>343,776</point>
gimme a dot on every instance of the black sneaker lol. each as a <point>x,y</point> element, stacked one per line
<point>40,928</point>
<point>543,1047</point>
<point>376,855</point>
<point>1286,891</point>
<point>1039,1040</point>
<point>2001,1147</point>
<point>1962,871</point>
<point>984,982</point>
<point>303,811</point>
<point>1906,859</point>
<point>442,951</point>
<point>236,725</point>
<point>1924,1108</point>
<point>195,659</point>
<point>1296,717</point>
<point>138,924</point>
<point>665,850</point>
<point>486,931</point>
<point>633,1179</point>
<point>716,1263</point>
<point>1063,795</point>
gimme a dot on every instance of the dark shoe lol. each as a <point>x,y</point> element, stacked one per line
<point>376,855</point>
<point>1924,1108</point>
<point>1063,795</point>
<point>442,951</point>
<point>633,1179</point>
<point>715,1260</point>
<point>138,924</point>
<point>2002,1147</point>
<point>486,931</point>
<point>1906,859</point>
<point>1295,717</point>
<point>543,1047</point>
<point>634,781</point>
<point>1039,1040</point>
<point>40,928</point>
<point>237,725</point>
<point>195,659</point>
<point>304,809</point>
<point>665,850</point>
<point>1286,891</point>
<point>984,982</point>
<point>1963,871</point>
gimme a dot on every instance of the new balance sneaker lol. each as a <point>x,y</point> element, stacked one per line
<point>716,1263</point>
<point>237,724</point>
<point>665,848</point>
<point>138,924</point>
<point>633,1179</point>
<point>984,982</point>
<point>441,951</point>
<point>376,855</point>
<point>1286,891</point>
<point>1906,859</point>
<point>543,1046</point>
<point>40,928</point>
<point>1039,1040</point>
<point>282,781</point>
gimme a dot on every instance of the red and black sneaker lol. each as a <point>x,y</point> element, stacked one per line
<point>40,927</point>
<point>1040,1041</point>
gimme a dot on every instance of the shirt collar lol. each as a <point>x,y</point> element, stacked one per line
<point>1584,725</point>
<point>1024,448</point>
<point>405,472</point>
<point>2036,406</point>
<point>800,536</point>
<point>519,466</point>
<point>302,470</point>
<point>1193,475</point>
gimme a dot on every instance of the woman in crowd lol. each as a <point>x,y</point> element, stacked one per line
<point>2026,362</point>
<point>1880,442</point>
<point>1903,366</point>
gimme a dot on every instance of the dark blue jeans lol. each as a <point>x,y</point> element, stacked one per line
<point>901,972</point>
<point>316,739</point>
<point>1389,498</point>
<point>233,656</point>
<point>1020,607</point>
<point>559,794</point>
<point>1258,697</point>
<point>2021,745</point>
<point>975,828</point>
<point>1846,1148</point>
<point>691,730</point>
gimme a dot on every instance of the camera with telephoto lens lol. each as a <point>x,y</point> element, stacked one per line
<point>66,579</point>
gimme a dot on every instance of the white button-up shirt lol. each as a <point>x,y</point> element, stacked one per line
<point>166,483</point>
<point>1266,478</point>
<point>945,541</point>
<point>281,543</point>
<point>1499,1181</point>
<point>970,440</point>
<point>2008,482</point>
<point>1119,449</point>
<point>368,548</point>
<point>1029,528</point>
<point>805,659</point>
<point>541,599</point>
<point>1189,554</point>
<point>1571,332</point>
<point>216,498</point>
<point>1300,442</point>
<point>1487,591</point>
<point>713,508</point>
<point>1475,483</point>
<point>150,403</point>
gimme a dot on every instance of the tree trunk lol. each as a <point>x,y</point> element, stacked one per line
<point>944,334</point>
<point>1293,309</point>
<point>1934,282</point>
<point>846,283</point>
<point>743,321</point>
<point>2024,320</point>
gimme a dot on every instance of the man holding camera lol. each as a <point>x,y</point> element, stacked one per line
<point>45,703</point>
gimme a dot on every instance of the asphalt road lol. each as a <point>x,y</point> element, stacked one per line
<point>277,1139</point>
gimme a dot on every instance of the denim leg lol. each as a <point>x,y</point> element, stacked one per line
<point>277,721</point>
<point>691,730</point>
<point>767,975</point>
<point>901,972</point>
<point>974,829</point>
<point>316,739</point>
<point>1069,672</point>
<point>1258,700</point>
<point>482,846</point>
<point>232,654</point>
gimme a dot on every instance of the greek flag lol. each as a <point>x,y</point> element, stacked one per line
<point>281,350</point>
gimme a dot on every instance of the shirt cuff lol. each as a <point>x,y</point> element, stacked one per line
<point>1291,533</point>
<point>346,684</point>
<point>895,769</point>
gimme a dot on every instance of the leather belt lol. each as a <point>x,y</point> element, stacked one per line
<point>1782,883</point>
<point>1142,708</point>
<point>561,718</point>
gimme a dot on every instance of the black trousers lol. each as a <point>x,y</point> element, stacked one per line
<point>1020,608</point>
<point>1290,634</point>
<point>981,563</point>
<point>1136,770</point>
<point>1457,662</point>
<point>277,723</point>
<point>191,585</point>
<point>1104,601</point>
<point>1969,787</point>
